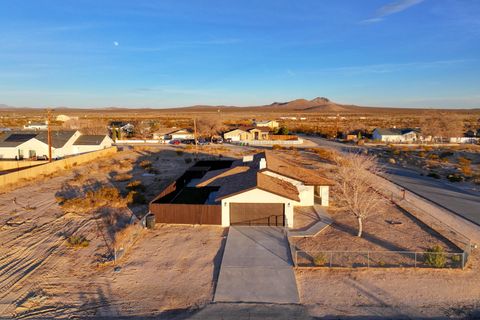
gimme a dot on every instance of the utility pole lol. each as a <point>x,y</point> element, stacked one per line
<point>195,136</point>
<point>49,134</point>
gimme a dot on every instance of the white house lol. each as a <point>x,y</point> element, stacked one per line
<point>395,135</point>
<point>471,140</point>
<point>89,143</point>
<point>272,124</point>
<point>265,190</point>
<point>34,144</point>
<point>36,126</point>
<point>181,134</point>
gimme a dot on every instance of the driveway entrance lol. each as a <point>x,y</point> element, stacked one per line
<point>256,267</point>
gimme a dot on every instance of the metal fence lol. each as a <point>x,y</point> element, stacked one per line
<point>379,259</point>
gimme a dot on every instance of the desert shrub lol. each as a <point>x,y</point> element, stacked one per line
<point>179,153</point>
<point>361,142</point>
<point>152,170</point>
<point>324,153</point>
<point>435,257</point>
<point>433,175</point>
<point>396,152</point>
<point>135,185</point>
<point>320,260</point>
<point>188,160</point>
<point>454,178</point>
<point>277,147</point>
<point>465,166</point>
<point>103,197</point>
<point>77,242</point>
<point>122,177</point>
<point>188,147</point>
<point>421,154</point>
<point>146,164</point>
<point>433,156</point>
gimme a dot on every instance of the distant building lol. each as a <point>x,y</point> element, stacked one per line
<point>247,134</point>
<point>63,118</point>
<point>34,144</point>
<point>181,134</point>
<point>121,128</point>
<point>36,126</point>
<point>272,124</point>
<point>395,135</point>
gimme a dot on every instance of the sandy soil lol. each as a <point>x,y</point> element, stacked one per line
<point>391,293</point>
<point>40,276</point>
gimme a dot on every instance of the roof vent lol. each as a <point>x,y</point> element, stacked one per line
<point>248,158</point>
<point>262,164</point>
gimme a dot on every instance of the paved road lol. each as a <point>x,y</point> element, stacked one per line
<point>459,201</point>
<point>256,267</point>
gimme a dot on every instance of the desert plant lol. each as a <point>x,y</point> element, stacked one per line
<point>122,177</point>
<point>454,178</point>
<point>188,160</point>
<point>179,153</point>
<point>136,185</point>
<point>145,164</point>
<point>320,260</point>
<point>137,197</point>
<point>435,257</point>
<point>77,242</point>
<point>433,175</point>
<point>277,147</point>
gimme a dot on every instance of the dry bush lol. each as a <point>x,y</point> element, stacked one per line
<point>277,147</point>
<point>122,177</point>
<point>77,242</point>
<point>136,185</point>
<point>465,166</point>
<point>324,153</point>
<point>145,164</point>
<point>103,197</point>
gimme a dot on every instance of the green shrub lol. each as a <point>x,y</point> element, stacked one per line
<point>433,175</point>
<point>77,242</point>
<point>435,257</point>
<point>320,260</point>
<point>454,178</point>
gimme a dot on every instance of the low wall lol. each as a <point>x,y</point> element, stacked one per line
<point>49,168</point>
<point>14,164</point>
<point>139,141</point>
<point>269,142</point>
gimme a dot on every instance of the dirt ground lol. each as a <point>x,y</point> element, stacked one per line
<point>391,293</point>
<point>40,276</point>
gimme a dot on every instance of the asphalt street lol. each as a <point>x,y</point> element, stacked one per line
<point>462,202</point>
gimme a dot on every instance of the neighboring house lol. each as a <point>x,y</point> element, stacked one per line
<point>181,134</point>
<point>63,118</point>
<point>395,135</point>
<point>89,143</point>
<point>247,134</point>
<point>163,134</point>
<point>36,126</point>
<point>472,140</point>
<point>259,190</point>
<point>34,144</point>
<point>125,128</point>
<point>272,124</point>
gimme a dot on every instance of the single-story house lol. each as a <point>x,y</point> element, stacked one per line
<point>33,144</point>
<point>89,143</point>
<point>247,134</point>
<point>36,126</point>
<point>472,140</point>
<point>263,189</point>
<point>272,124</point>
<point>395,135</point>
<point>181,134</point>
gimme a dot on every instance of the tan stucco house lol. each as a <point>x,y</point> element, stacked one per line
<point>247,134</point>
<point>272,124</point>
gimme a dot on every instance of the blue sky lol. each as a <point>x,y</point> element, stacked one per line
<point>167,53</point>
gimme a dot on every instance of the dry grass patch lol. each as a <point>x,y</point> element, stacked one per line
<point>103,197</point>
<point>122,177</point>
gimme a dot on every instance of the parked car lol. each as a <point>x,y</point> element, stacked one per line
<point>175,142</point>
<point>202,142</point>
<point>188,141</point>
<point>217,141</point>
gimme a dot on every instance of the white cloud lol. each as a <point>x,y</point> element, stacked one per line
<point>392,8</point>
<point>115,43</point>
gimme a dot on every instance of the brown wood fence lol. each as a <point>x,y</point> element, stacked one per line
<point>187,213</point>
<point>282,137</point>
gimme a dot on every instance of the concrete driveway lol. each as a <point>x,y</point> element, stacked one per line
<point>256,267</point>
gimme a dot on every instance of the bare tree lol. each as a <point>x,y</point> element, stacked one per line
<point>209,126</point>
<point>441,125</point>
<point>86,126</point>
<point>358,186</point>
